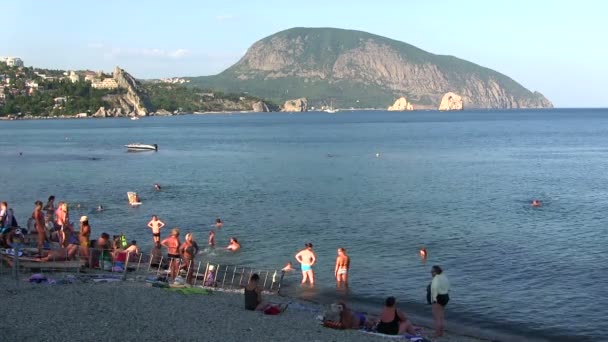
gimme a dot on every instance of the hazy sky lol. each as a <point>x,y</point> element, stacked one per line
<point>556,47</point>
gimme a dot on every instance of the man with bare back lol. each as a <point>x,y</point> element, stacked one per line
<point>155,224</point>
<point>172,243</point>
<point>307,258</point>
<point>342,267</point>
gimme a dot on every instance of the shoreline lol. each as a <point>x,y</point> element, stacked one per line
<point>133,310</point>
<point>13,118</point>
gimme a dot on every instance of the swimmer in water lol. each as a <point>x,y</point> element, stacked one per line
<point>423,253</point>
<point>157,187</point>
<point>536,203</point>
<point>218,223</point>
<point>234,245</point>
<point>211,241</point>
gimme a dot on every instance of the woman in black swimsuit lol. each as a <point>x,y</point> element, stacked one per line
<point>393,321</point>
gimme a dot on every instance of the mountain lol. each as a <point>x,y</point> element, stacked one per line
<point>359,69</point>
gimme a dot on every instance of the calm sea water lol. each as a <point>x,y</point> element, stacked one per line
<point>458,183</point>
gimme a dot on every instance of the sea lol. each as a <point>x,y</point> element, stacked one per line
<point>380,184</point>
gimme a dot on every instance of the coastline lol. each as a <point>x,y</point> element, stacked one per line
<point>131,310</point>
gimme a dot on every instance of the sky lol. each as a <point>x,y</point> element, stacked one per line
<point>555,47</point>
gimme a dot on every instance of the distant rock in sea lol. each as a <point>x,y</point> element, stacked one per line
<point>401,105</point>
<point>260,107</point>
<point>297,105</point>
<point>451,101</point>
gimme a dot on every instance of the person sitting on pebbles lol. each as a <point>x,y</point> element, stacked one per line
<point>253,298</point>
<point>234,245</point>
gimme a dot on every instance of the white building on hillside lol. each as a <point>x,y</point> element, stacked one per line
<point>108,83</point>
<point>74,77</point>
<point>12,61</point>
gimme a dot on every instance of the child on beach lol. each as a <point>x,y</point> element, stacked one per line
<point>155,224</point>
<point>212,238</point>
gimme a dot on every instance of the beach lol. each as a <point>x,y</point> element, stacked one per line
<point>131,310</point>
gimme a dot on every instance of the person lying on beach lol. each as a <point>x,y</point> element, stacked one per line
<point>61,254</point>
<point>348,319</point>
<point>253,298</point>
<point>393,321</point>
<point>234,244</point>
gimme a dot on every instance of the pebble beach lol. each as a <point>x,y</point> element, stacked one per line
<point>136,311</point>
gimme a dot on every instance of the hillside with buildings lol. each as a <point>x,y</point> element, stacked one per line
<point>28,92</point>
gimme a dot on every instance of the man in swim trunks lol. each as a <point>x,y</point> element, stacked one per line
<point>172,243</point>
<point>342,267</point>
<point>307,259</point>
<point>155,224</point>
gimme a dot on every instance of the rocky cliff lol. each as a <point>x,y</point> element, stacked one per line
<point>297,105</point>
<point>358,69</point>
<point>451,101</point>
<point>400,105</point>
<point>134,102</point>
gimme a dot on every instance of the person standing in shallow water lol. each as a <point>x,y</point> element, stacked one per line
<point>172,243</point>
<point>155,224</point>
<point>38,217</point>
<point>84,237</point>
<point>342,268</point>
<point>307,259</point>
<point>188,251</point>
<point>440,288</point>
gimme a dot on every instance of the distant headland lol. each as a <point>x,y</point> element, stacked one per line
<point>295,70</point>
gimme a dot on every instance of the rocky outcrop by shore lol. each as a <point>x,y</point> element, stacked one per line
<point>401,105</point>
<point>451,101</point>
<point>296,105</point>
<point>260,107</point>
<point>133,103</point>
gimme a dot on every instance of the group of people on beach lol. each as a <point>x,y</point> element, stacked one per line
<point>51,223</point>
<point>391,321</point>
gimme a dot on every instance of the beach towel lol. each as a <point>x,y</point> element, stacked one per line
<point>406,337</point>
<point>189,290</point>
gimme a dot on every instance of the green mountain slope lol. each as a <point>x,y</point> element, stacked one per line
<point>359,69</point>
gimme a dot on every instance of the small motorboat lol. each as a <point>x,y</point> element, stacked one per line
<point>135,118</point>
<point>141,147</point>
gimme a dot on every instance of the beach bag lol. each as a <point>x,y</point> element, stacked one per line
<point>273,310</point>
